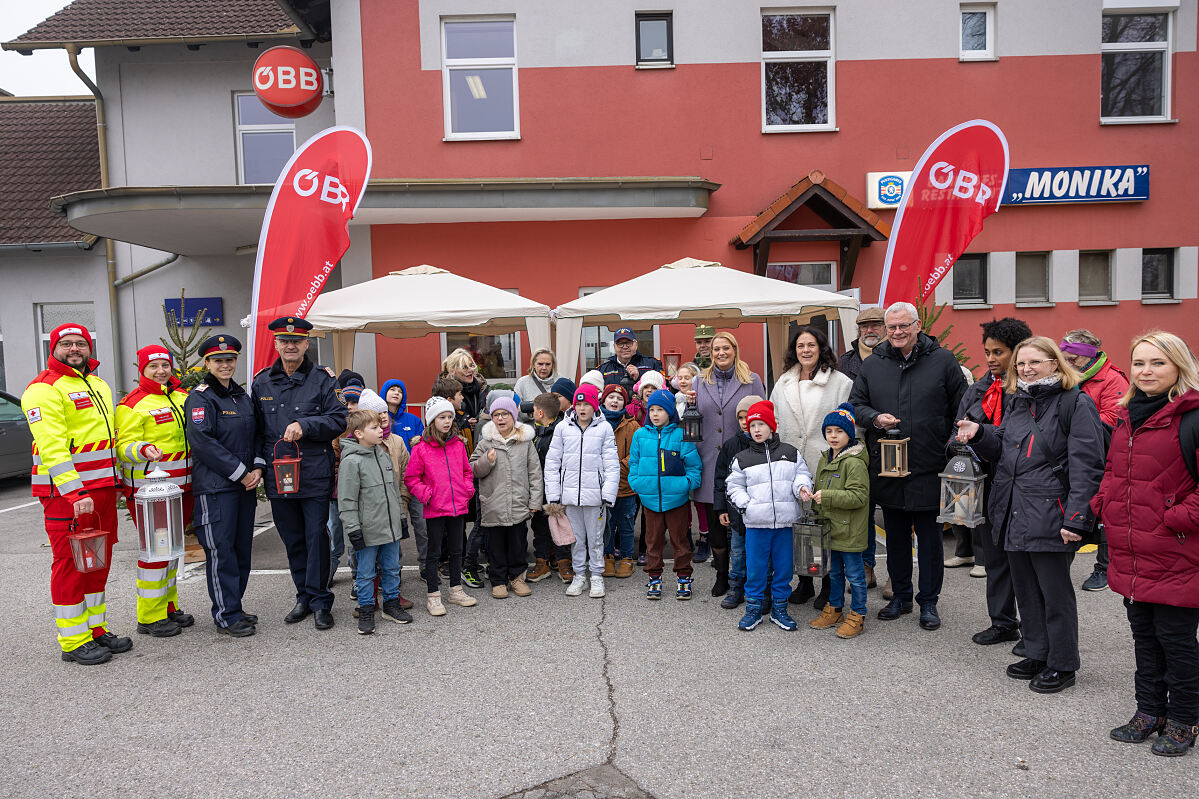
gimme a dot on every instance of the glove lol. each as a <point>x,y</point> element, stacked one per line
<point>356,540</point>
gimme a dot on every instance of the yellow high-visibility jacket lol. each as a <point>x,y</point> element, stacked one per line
<point>74,431</point>
<point>152,415</point>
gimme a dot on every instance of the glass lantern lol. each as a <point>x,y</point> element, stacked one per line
<point>159,518</point>
<point>893,452</point>
<point>89,545</point>
<point>962,490</point>
<point>811,546</point>
<point>692,423</point>
<point>671,358</point>
<point>287,470</point>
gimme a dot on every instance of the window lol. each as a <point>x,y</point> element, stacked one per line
<point>1095,276</point>
<point>1135,73</point>
<point>494,355</point>
<point>1032,277</point>
<point>265,141</point>
<point>818,275</point>
<point>970,280</point>
<point>978,33</point>
<point>797,72</point>
<point>597,340</point>
<point>478,73</point>
<point>1157,274</point>
<point>655,39</point>
<point>52,314</point>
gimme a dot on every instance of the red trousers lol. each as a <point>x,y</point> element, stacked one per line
<point>157,592</point>
<point>657,525</point>
<point>78,598</point>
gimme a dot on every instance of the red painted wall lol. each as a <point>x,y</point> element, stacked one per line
<point>705,120</point>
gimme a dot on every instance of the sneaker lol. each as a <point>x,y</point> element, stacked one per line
<point>653,589</point>
<point>753,615</point>
<point>472,576</point>
<point>433,604</point>
<point>1139,728</point>
<point>163,628</point>
<point>540,570</point>
<point>1175,739</point>
<point>829,617</point>
<point>781,618</point>
<point>978,571</point>
<point>641,560</point>
<point>1096,582</point>
<point>354,590</point>
<point>565,571</point>
<point>394,611</point>
<point>499,591</point>
<point>853,625</point>
<point>703,551</point>
<point>624,568</point>
<point>683,592</point>
<point>366,619</point>
<point>520,587</point>
<point>460,598</point>
<point>609,565</point>
<point>576,585</point>
<point>597,587</point>
<point>89,654</point>
<point>955,562</point>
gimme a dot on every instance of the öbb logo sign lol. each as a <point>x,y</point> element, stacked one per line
<point>288,82</point>
<point>966,185</point>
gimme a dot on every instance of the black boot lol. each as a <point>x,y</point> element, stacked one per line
<point>821,595</point>
<point>803,592</point>
<point>720,559</point>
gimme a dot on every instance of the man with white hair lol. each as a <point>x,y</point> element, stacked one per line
<point>910,388</point>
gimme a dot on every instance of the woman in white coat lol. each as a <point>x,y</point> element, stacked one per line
<point>809,389</point>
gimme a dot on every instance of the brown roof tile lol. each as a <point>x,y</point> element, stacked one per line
<point>780,205</point>
<point>125,20</point>
<point>49,148</point>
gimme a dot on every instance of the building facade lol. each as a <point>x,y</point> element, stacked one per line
<point>553,149</point>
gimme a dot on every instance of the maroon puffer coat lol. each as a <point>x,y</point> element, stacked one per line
<point>1150,508</point>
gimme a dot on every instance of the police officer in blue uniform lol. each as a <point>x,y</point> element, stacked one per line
<point>627,365</point>
<point>296,405</point>
<point>225,473</point>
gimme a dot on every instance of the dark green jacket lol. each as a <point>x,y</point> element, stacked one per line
<point>368,496</point>
<point>844,487</point>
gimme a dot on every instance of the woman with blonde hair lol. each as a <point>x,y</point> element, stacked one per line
<point>1048,459</point>
<point>1150,506</point>
<point>717,391</point>
<point>543,371</point>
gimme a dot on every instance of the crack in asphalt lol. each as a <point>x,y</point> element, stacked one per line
<point>607,662</point>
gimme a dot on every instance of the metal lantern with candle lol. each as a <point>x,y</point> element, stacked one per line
<point>159,517</point>
<point>693,422</point>
<point>287,470</point>
<point>893,453</point>
<point>89,545</point>
<point>963,489</point>
<point>671,358</point>
<point>811,545</point>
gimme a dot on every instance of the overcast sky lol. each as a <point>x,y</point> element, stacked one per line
<point>46,71</point>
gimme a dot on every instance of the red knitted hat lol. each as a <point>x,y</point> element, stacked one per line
<point>763,412</point>
<point>69,329</point>
<point>155,352</point>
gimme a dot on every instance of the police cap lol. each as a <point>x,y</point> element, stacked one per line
<point>286,327</point>
<point>222,346</point>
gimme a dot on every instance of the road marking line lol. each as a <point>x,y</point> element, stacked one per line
<point>18,507</point>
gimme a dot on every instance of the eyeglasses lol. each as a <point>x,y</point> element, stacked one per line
<point>71,345</point>
<point>1034,364</point>
<point>897,328</point>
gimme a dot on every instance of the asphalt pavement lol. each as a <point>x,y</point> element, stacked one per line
<point>552,696</point>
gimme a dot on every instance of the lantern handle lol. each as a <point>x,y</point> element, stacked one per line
<point>275,449</point>
<point>73,526</point>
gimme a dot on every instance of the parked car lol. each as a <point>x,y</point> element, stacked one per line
<point>16,442</point>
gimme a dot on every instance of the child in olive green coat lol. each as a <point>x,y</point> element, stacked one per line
<point>842,493</point>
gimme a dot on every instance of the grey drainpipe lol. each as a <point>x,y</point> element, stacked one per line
<point>110,255</point>
<point>170,259</point>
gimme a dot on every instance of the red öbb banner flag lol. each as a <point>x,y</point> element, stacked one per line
<point>305,231</point>
<point>958,182</point>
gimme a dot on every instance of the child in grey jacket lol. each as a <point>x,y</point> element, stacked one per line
<point>368,502</point>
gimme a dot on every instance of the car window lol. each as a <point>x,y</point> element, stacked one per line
<point>10,411</point>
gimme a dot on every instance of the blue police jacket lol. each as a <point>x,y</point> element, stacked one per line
<point>220,431</point>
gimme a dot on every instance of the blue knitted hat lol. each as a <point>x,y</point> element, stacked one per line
<point>841,416</point>
<point>664,400</point>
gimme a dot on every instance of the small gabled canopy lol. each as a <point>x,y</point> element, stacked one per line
<point>420,300</point>
<point>691,290</point>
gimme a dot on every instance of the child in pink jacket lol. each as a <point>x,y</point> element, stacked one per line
<point>439,475</point>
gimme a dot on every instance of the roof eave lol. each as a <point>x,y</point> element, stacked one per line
<point>27,47</point>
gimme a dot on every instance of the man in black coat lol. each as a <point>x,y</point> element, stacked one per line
<point>627,365</point>
<point>870,335</point>
<point>296,408</point>
<point>911,386</point>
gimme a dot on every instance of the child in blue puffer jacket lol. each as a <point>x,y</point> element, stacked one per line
<point>408,426</point>
<point>664,470</point>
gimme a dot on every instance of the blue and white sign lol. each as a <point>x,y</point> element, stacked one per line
<point>885,189</point>
<point>1077,184</point>
<point>213,308</point>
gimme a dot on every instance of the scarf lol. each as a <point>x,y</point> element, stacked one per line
<point>993,402</point>
<point>613,417</point>
<point>1050,380</point>
<point>1142,406</point>
<point>1095,366</point>
<point>863,350</point>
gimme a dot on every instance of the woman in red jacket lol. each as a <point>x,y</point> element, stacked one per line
<point>1150,506</point>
